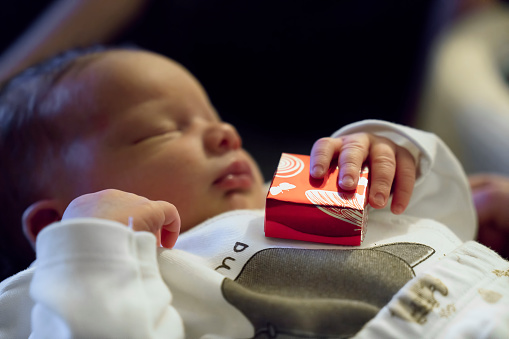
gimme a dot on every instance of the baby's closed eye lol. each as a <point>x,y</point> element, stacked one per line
<point>156,132</point>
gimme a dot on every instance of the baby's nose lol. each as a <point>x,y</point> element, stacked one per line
<point>222,137</point>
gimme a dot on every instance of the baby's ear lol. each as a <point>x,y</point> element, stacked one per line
<point>39,215</point>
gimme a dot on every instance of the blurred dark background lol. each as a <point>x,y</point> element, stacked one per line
<point>286,72</point>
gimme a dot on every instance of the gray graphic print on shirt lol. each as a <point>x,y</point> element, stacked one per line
<point>326,293</point>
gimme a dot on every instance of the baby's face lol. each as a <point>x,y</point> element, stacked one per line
<point>142,124</point>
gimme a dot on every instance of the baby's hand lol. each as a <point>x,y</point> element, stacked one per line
<point>158,217</point>
<point>392,168</point>
<point>490,193</point>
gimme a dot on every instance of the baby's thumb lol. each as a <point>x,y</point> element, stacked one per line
<point>170,233</point>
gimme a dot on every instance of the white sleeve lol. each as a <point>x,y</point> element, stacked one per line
<point>442,191</point>
<point>99,279</point>
<point>15,305</point>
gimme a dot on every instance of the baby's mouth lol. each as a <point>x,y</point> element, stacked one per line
<point>237,176</point>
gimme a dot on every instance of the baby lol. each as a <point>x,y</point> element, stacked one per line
<point>115,138</point>
<point>138,122</point>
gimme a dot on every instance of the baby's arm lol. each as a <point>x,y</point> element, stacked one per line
<point>392,167</point>
<point>96,278</point>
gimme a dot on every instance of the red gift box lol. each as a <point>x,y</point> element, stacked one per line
<point>303,208</point>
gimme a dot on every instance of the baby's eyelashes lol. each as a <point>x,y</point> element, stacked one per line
<point>169,134</point>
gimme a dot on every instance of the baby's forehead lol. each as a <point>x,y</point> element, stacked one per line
<point>133,73</point>
<point>74,103</point>
<point>107,86</point>
<point>113,82</point>
<point>93,81</point>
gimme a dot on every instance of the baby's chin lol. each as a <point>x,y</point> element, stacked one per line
<point>243,201</point>
<point>233,202</point>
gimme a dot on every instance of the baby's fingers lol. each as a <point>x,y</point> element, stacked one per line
<point>163,221</point>
<point>323,151</point>
<point>171,228</point>
<point>404,181</point>
<point>382,167</point>
<point>353,153</point>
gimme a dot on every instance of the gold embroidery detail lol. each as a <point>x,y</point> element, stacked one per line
<point>489,296</point>
<point>416,304</point>
<point>500,273</point>
<point>447,311</point>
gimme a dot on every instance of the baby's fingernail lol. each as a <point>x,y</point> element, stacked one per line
<point>347,181</point>
<point>397,209</point>
<point>318,171</point>
<point>379,199</point>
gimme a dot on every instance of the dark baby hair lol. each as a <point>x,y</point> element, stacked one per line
<point>28,142</point>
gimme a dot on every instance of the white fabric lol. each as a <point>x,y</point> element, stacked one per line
<point>465,296</point>
<point>98,279</point>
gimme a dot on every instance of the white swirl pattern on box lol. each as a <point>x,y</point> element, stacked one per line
<point>329,202</point>
<point>289,166</point>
